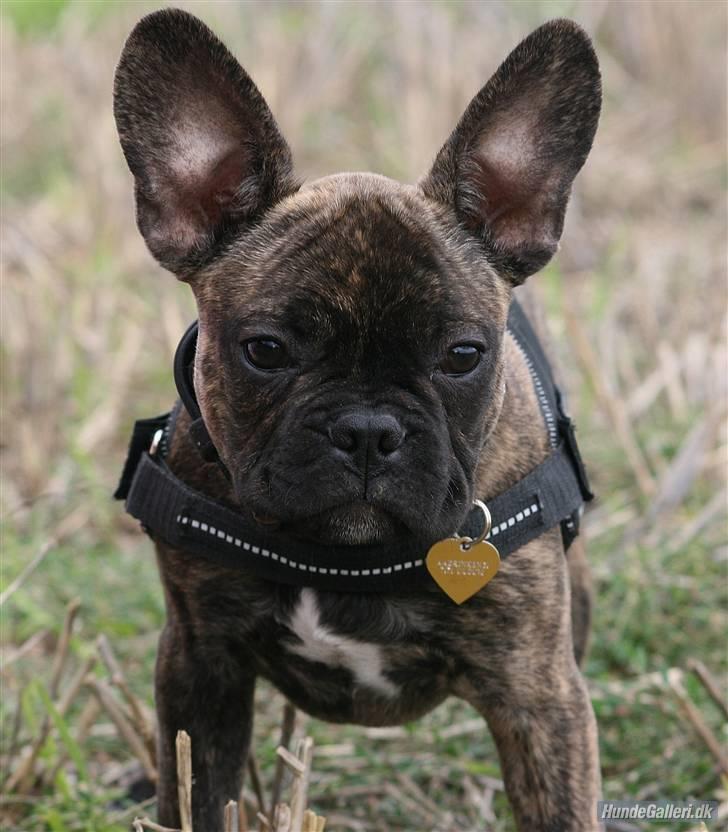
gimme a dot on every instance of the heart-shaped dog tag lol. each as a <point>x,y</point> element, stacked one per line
<point>461,572</point>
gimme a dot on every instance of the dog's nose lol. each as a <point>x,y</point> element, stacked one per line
<point>372,436</point>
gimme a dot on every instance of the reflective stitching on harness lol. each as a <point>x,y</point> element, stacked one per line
<point>540,393</point>
<point>508,523</point>
<point>512,521</point>
<point>267,553</point>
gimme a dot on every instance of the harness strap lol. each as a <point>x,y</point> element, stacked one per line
<point>551,404</point>
<point>179,515</point>
<point>141,440</point>
<point>538,366</point>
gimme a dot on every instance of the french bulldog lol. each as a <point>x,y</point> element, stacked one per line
<point>356,377</point>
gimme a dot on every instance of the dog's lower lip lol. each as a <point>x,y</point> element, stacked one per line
<point>355,523</point>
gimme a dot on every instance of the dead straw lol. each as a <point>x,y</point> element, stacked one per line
<point>231,820</point>
<point>123,725</point>
<point>710,683</point>
<point>301,779</point>
<point>184,779</point>
<point>139,717</point>
<point>21,778</point>
<point>694,717</point>
<point>255,782</point>
<point>288,724</point>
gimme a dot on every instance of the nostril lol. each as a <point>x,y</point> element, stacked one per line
<point>391,436</point>
<point>343,436</point>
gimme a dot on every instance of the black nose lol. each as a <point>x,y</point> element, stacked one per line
<point>367,436</point>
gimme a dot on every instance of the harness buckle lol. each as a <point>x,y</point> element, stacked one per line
<point>156,442</point>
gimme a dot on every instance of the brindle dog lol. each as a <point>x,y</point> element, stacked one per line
<point>355,375</point>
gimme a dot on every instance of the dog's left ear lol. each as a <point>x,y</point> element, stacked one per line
<point>508,166</point>
<point>204,148</point>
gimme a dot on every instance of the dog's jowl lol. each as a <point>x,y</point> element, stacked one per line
<point>363,370</point>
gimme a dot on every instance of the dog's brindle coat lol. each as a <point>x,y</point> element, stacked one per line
<point>365,284</point>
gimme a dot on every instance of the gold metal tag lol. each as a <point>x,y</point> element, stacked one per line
<point>461,572</point>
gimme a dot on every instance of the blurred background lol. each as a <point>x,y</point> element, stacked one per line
<point>636,298</point>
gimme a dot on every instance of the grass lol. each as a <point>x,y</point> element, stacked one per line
<point>636,298</point>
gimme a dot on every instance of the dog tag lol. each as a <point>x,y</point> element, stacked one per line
<point>459,572</point>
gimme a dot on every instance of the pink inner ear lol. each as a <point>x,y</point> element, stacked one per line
<point>507,190</point>
<point>209,160</point>
<point>221,185</point>
<point>194,202</point>
<point>515,210</point>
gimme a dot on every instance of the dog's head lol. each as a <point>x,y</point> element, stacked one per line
<point>350,356</point>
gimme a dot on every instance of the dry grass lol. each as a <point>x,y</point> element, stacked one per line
<point>637,297</point>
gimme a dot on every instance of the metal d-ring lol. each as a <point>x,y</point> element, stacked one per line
<point>156,441</point>
<point>468,542</point>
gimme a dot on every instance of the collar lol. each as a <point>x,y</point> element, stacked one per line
<point>552,493</point>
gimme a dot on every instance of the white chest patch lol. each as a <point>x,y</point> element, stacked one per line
<point>321,645</point>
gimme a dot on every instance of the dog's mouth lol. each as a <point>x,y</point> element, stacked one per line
<point>353,524</point>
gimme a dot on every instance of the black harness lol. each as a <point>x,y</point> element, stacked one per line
<point>552,493</point>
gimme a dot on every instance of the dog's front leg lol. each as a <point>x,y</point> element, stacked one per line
<point>210,697</point>
<point>545,731</point>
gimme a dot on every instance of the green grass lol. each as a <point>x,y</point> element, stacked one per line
<point>34,16</point>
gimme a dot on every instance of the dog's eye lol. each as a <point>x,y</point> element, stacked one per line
<point>460,359</point>
<point>266,354</point>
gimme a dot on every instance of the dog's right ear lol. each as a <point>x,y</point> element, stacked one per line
<point>508,166</point>
<point>204,148</point>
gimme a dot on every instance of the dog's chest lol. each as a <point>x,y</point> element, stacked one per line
<point>361,661</point>
<point>316,642</point>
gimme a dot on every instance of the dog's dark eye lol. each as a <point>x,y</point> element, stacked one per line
<point>460,359</point>
<point>266,354</point>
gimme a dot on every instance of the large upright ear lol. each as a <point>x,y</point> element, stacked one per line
<point>508,166</point>
<point>198,136</point>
